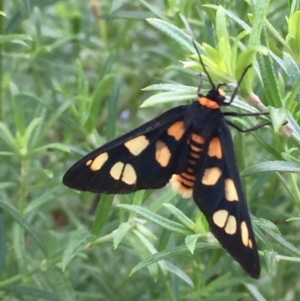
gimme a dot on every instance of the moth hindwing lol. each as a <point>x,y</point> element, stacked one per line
<point>191,146</point>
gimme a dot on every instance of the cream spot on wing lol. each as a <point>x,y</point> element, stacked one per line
<point>176,130</point>
<point>245,234</point>
<point>250,244</point>
<point>98,161</point>
<point>211,176</point>
<point>117,170</point>
<point>162,153</point>
<point>230,191</point>
<point>220,218</point>
<point>123,172</point>
<point>137,144</point>
<point>215,148</point>
<point>129,175</point>
<point>88,162</point>
<point>231,225</point>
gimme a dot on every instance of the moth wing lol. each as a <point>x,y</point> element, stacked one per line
<point>144,158</point>
<point>219,194</point>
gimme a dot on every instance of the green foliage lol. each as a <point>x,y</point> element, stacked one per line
<point>73,75</point>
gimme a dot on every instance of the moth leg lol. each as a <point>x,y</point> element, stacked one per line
<point>254,128</point>
<point>235,114</point>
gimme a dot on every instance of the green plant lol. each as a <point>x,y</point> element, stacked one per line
<point>72,75</point>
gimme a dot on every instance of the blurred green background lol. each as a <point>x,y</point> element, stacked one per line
<point>72,75</point>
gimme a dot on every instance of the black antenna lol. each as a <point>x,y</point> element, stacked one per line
<point>189,31</point>
<point>202,64</point>
<point>233,95</point>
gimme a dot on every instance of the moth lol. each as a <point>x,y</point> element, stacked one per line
<point>190,146</point>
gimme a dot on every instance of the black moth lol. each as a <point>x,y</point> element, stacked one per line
<point>191,146</point>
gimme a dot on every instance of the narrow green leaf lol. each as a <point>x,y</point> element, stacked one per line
<point>232,16</point>
<point>278,117</point>
<point>255,292</point>
<point>143,252</point>
<point>260,236</point>
<point>293,38</point>
<point>180,250</point>
<point>120,233</point>
<point>223,39</point>
<point>112,111</point>
<point>77,244</point>
<point>264,223</point>
<point>165,97</point>
<point>103,213</point>
<point>293,219</point>
<point>201,223</point>
<point>167,195</point>
<point>271,166</point>
<point>3,242</point>
<point>27,292</point>
<point>260,11</point>
<point>19,116</point>
<point>146,242</point>
<point>269,80</point>
<point>292,69</point>
<point>154,9</point>
<point>15,38</point>
<point>139,225</point>
<point>7,136</point>
<point>179,273</point>
<point>61,284</point>
<point>24,224</point>
<point>180,216</point>
<point>171,88</point>
<point>29,130</point>
<point>294,6</point>
<point>294,94</point>
<point>190,242</point>
<point>51,120</point>
<point>173,32</point>
<point>275,33</point>
<point>18,242</point>
<point>55,145</point>
<point>288,246</point>
<point>271,261</point>
<point>5,185</point>
<point>102,89</point>
<point>47,196</point>
<point>245,59</point>
<point>61,42</point>
<point>157,219</point>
